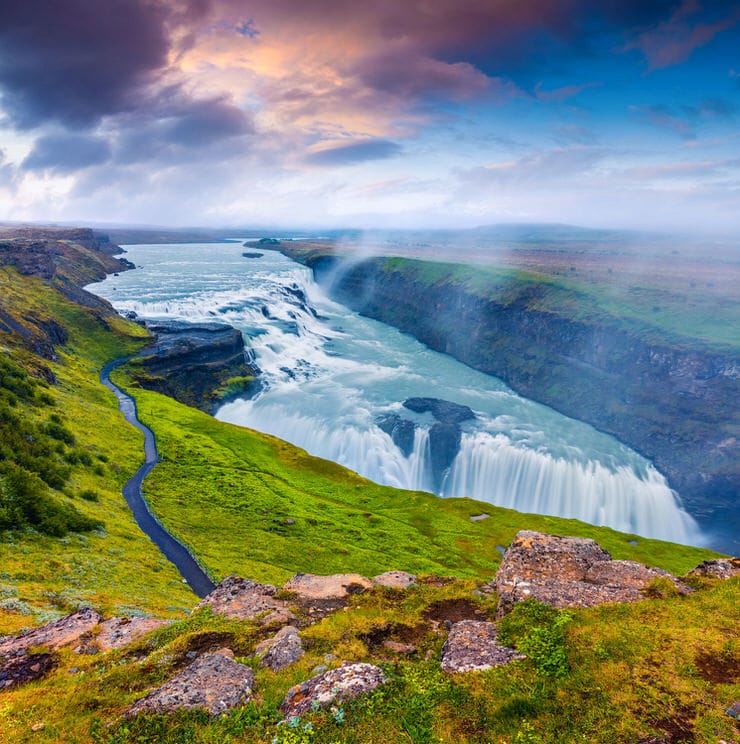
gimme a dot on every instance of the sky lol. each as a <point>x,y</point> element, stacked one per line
<point>371,113</point>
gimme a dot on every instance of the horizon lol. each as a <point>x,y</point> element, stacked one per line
<point>433,115</point>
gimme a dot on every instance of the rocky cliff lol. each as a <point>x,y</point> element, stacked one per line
<point>669,401</point>
<point>200,364</point>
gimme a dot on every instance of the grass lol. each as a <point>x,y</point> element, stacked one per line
<point>617,673</point>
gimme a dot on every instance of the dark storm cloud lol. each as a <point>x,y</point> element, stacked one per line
<point>76,61</point>
<point>355,152</point>
<point>66,153</point>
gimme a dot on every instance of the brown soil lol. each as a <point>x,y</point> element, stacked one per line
<point>718,669</point>
<point>454,610</point>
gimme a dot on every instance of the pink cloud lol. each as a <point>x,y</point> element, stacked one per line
<point>673,41</point>
<point>558,95</point>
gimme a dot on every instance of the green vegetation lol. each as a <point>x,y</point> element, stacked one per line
<point>250,504</point>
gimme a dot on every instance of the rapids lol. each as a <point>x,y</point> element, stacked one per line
<point>329,374</point>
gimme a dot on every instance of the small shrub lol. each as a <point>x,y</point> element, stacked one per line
<point>89,495</point>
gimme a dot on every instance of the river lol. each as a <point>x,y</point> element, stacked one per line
<point>329,376</point>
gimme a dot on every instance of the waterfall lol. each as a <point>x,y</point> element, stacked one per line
<point>329,374</point>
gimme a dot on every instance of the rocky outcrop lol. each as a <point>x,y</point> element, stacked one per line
<point>213,681</point>
<point>343,683</point>
<point>472,647</point>
<point>284,649</point>
<point>200,364</point>
<point>54,635</point>
<point>244,599</point>
<point>570,572</point>
<point>19,670</point>
<point>444,434</point>
<point>724,568</point>
<point>668,402</point>
<point>118,632</point>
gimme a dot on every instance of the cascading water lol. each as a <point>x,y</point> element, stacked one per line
<point>331,378</point>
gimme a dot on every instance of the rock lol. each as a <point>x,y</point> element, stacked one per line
<point>723,568</point>
<point>117,632</point>
<point>395,579</point>
<point>346,682</point>
<point>284,649</point>
<point>54,635</point>
<point>400,430</point>
<point>192,362</point>
<point>569,572</point>
<point>252,254</point>
<point>472,647</point>
<point>214,682</point>
<point>19,670</point>
<point>734,710</point>
<point>336,586</point>
<point>399,648</point>
<point>244,599</point>
<point>479,517</point>
<point>444,411</point>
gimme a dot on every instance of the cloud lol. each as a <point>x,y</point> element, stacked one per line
<point>558,95</point>
<point>74,62</point>
<point>65,153</point>
<point>664,117</point>
<point>354,152</point>
<point>673,41</point>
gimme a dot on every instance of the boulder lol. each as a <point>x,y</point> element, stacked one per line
<point>472,647</point>
<point>54,635</point>
<point>336,586</point>
<point>570,572</point>
<point>723,568</point>
<point>244,599</point>
<point>284,649</point>
<point>213,681</point>
<point>346,682</point>
<point>395,579</point>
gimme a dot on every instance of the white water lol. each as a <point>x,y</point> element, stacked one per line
<point>328,373</point>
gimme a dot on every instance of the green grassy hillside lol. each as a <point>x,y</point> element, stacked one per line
<point>250,504</point>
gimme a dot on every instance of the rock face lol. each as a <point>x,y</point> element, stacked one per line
<point>213,681</point>
<point>281,651</point>
<point>244,599</point>
<point>344,683</point>
<point>472,647</point>
<point>668,402</point>
<point>569,572</point>
<point>52,636</point>
<point>197,363</point>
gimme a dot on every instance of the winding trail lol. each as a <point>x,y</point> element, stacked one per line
<point>172,549</point>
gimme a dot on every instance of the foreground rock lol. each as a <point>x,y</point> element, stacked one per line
<point>19,670</point>
<point>724,568</point>
<point>395,579</point>
<point>344,683</point>
<point>284,649</point>
<point>244,599</point>
<point>54,635</point>
<point>336,586</point>
<point>570,572</point>
<point>213,681</point>
<point>117,632</point>
<point>472,647</point>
